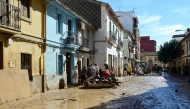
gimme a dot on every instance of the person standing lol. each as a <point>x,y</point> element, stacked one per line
<point>129,70</point>
<point>97,69</point>
<point>106,67</point>
<point>83,73</point>
<point>185,70</point>
<point>140,70</point>
<point>93,71</point>
<point>75,76</point>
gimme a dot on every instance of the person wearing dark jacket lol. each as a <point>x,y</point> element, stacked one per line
<point>185,70</point>
<point>83,74</point>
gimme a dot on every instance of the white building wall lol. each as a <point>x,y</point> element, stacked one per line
<point>102,47</point>
<point>126,19</point>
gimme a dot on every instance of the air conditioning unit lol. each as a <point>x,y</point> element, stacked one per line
<point>81,25</point>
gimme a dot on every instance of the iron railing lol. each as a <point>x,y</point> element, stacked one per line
<point>84,42</point>
<point>112,36</point>
<point>9,15</point>
<point>72,38</point>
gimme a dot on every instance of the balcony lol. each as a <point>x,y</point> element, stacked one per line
<point>9,17</point>
<point>135,25</point>
<point>72,40</point>
<point>84,44</point>
<point>120,44</point>
<point>112,38</point>
<point>131,55</point>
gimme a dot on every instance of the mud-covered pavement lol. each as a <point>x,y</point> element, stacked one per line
<point>136,92</point>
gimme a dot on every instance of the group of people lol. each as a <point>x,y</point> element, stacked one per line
<point>92,71</point>
<point>138,70</point>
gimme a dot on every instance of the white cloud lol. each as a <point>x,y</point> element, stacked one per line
<point>166,29</point>
<point>181,10</point>
<point>162,33</point>
<point>149,19</point>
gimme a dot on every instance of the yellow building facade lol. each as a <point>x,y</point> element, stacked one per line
<point>22,37</point>
<point>151,58</point>
<point>184,59</point>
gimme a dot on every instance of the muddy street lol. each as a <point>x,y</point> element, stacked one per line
<point>137,92</point>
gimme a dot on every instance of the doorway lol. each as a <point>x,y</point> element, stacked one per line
<point>79,70</point>
<point>110,61</point>
<point>68,67</point>
<point>88,62</point>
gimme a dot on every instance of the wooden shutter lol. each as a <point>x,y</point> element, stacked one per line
<point>3,12</point>
<point>25,6</point>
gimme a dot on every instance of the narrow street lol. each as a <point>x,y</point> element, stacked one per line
<point>137,92</point>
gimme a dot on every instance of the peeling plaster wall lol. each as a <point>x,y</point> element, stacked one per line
<point>14,85</point>
<point>36,84</point>
<point>54,82</point>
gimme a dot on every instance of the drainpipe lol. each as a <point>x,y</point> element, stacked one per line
<point>44,47</point>
<point>49,3</point>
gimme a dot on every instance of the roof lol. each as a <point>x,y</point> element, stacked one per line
<point>90,10</point>
<point>187,34</point>
<point>113,14</point>
<point>179,35</point>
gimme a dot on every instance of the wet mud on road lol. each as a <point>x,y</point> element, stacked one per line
<point>136,92</point>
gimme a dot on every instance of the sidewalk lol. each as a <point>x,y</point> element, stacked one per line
<point>40,98</point>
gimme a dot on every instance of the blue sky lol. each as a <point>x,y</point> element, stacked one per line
<point>157,18</point>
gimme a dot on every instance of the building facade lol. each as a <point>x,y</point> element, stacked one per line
<point>184,59</point>
<point>147,45</point>
<point>112,32</point>
<point>107,44</point>
<point>128,54</point>
<point>22,47</point>
<point>130,22</point>
<point>68,39</point>
<point>151,58</point>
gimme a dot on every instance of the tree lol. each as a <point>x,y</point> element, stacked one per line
<point>169,51</point>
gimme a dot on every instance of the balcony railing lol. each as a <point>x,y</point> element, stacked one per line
<point>72,38</point>
<point>112,36</point>
<point>9,15</point>
<point>84,42</point>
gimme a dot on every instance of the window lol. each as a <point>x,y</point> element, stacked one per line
<point>60,23</point>
<point>26,63</point>
<point>25,8</point>
<point>70,28</point>
<point>60,64</point>
<point>113,28</point>
<point>110,26</point>
<point>87,33</point>
<point>155,59</point>
<point>189,45</point>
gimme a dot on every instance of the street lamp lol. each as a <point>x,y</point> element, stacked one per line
<point>179,30</point>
